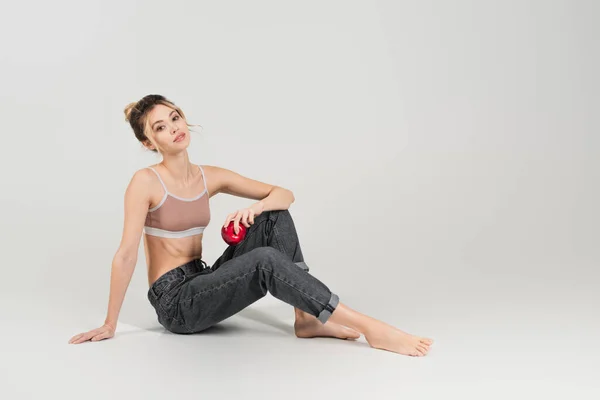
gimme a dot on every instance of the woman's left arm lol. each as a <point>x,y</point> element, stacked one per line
<point>270,197</point>
<point>278,199</point>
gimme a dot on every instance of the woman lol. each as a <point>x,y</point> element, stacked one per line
<point>169,203</point>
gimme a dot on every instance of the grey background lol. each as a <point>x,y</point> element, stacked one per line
<point>443,156</point>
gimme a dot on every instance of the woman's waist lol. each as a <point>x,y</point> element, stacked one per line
<point>158,266</point>
<point>177,275</point>
<point>163,255</point>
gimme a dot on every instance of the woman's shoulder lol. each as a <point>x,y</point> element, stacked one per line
<point>206,166</point>
<point>141,178</point>
<point>145,171</point>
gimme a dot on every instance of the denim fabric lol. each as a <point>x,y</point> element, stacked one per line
<point>194,296</point>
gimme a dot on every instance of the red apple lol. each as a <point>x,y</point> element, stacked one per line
<point>229,236</point>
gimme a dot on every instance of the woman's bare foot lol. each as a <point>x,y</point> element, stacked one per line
<point>380,335</point>
<point>307,326</point>
<point>386,337</point>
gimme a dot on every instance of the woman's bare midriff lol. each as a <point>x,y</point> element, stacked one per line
<point>165,254</point>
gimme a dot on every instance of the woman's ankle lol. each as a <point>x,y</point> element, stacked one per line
<point>346,316</point>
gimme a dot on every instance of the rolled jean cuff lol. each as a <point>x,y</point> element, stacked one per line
<point>302,265</point>
<point>329,308</point>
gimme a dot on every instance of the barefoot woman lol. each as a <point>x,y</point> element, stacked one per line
<point>169,204</point>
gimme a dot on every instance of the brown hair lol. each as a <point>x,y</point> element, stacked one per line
<point>136,114</point>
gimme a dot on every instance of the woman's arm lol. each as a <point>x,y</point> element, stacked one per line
<point>120,277</point>
<point>137,201</point>
<point>270,197</point>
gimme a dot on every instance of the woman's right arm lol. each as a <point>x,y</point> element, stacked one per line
<point>137,202</point>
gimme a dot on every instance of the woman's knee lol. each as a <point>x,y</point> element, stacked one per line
<point>267,256</point>
<point>274,215</point>
<point>265,253</point>
<point>284,214</point>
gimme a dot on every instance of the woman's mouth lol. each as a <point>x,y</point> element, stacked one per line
<point>179,137</point>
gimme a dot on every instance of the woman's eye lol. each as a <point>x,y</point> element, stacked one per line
<point>162,126</point>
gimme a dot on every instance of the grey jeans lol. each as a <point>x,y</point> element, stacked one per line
<point>194,296</point>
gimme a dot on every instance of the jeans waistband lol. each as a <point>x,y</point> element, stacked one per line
<point>178,274</point>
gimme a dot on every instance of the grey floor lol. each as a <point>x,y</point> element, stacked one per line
<point>508,336</point>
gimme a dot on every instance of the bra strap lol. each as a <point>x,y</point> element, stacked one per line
<point>160,179</point>
<point>204,179</point>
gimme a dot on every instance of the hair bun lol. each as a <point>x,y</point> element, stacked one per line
<point>128,110</point>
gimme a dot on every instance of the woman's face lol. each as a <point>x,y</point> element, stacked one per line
<point>166,127</point>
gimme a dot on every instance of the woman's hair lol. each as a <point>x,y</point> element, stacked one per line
<point>136,114</point>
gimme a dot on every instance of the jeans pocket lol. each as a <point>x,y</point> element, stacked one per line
<point>170,290</point>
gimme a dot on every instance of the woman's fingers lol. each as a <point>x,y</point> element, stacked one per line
<point>103,335</point>
<point>245,216</point>
<point>82,338</point>
<point>88,336</point>
<point>248,217</point>
<point>74,338</point>
<point>94,335</point>
<point>228,220</point>
<point>236,223</point>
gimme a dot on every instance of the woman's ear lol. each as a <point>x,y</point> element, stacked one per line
<point>148,144</point>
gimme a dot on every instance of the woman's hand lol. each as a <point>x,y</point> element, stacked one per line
<point>104,332</point>
<point>246,215</point>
